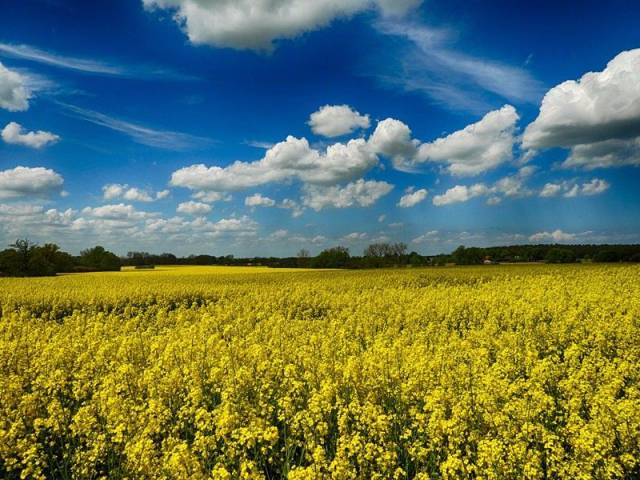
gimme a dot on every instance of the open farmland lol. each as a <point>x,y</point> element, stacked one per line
<point>211,372</point>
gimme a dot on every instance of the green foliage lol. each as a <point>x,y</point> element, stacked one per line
<point>560,255</point>
<point>26,259</point>
<point>99,259</point>
<point>468,256</point>
<point>336,257</point>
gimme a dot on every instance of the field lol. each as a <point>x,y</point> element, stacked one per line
<point>493,372</point>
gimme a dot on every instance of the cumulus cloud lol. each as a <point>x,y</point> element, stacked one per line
<point>291,159</point>
<point>597,116</point>
<point>355,236</point>
<point>392,138</point>
<point>193,208</point>
<point>16,219</point>
<point>14,90</point>
<point>608,153</point>
<point>255,25</point>
<point>201,227</point>
<point>211,197</point>
<point>557,236</point>
<point>509,186</point>
<point>570,189</point>
<point>115,191</point>
<point>29,182</point>
<point>551,190</point>
<point>13,133</point>
<point>413,198</point>
<point>360,193</point>
<point>336,120</point>
<point>475,149</point>
<point>289,204</point>
<point>119,211</point>
<point>460,193</point>
<point>258,200</point>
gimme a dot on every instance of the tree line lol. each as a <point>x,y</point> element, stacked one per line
<point>25,258</point>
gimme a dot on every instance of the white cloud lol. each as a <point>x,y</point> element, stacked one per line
<point>460,193</point>
<point>256,24</point>
<point>14,91</point>
<point>29,182</point>
<point>355,236</point>
<point>509,186</point>
<point>608,153</point>
<point>570,189</point>
<point>475,149</point>
<point>13,133</point>
<point>115,191</point>
<point>595,187</point>
<point>336,120</point>
<point>428,64</point>
<point>30,53</point>
<point>165,139</point>
<point>360,193</point>
<point>16,219</point>
<point>86,65</point>
<point>551,190</point>
<point>258,200</point>
<point>211,197</point>
<point>413,198</point>
<point>193,208</point>
<point>430,236</point>
<point>118,211</point>
<point>287,160</point>
<point>392,138</point>
<point>289,204</point>
<point>557,236</point>
<point>597,116</point>
<point>279,234</point>
<point>200,227</point>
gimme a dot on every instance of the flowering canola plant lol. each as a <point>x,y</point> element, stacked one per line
<point>500,372</point>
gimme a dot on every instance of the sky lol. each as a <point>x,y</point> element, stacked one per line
<point>261,127</point>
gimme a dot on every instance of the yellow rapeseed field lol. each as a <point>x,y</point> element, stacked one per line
<point>496,372</point>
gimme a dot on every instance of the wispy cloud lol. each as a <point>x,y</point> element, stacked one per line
<point>86,65</point>
<point>165,139</point>
<point>425,62</point>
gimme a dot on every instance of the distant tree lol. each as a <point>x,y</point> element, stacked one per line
<point>467,256</point>
<point>49,260</point>
<point>560,255</point>
<point>384,254</point>
<point>607,256</point>
<point>25,258</point>
<point>415,259</point>
<point>336,257</point>
<point>9,263</point>
<point>24,249</point>
<point>303,258</point>
<point>99,259</point>
<point>167,259</point>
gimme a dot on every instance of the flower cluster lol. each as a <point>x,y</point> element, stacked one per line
<point>503,372</point>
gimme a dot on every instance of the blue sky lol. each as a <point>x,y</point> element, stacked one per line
<point>262,127</point>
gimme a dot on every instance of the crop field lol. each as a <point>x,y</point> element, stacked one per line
<point>492,372</point>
